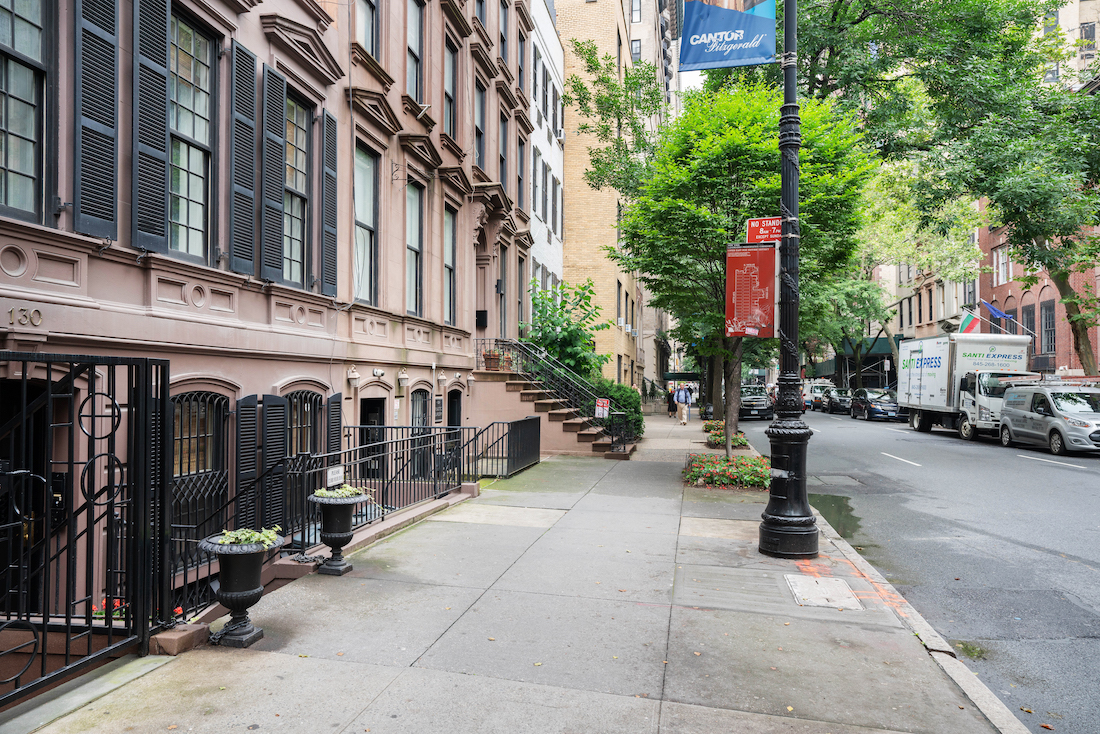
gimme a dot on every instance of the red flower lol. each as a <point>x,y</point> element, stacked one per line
<point>178,610</point>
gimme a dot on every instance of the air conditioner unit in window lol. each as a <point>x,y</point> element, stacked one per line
<point>622,321</point>
<point>634,333</point>
<point>628,328</point>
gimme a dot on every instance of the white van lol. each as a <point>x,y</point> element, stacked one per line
<point>1061,417</point>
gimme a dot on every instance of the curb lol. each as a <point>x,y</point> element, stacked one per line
<point>991,707</point>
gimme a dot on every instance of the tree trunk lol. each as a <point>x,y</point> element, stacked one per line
<point>715,397</point>
<point>893,350</point>
<point>1082,344</point>
<point>732,374</point>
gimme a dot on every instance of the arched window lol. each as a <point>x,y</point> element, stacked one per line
<point>200,472</point>
<point>420,404</point>
<point>304,408</point>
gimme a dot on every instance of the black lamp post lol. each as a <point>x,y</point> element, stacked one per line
<point>789,529</point>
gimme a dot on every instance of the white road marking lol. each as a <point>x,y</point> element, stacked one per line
<point>899,458</point>
<point>898,430</point>
<point>834,418</point>
<point>1051,461</point>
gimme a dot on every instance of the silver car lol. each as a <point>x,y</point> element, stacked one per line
<point>1062,417</point>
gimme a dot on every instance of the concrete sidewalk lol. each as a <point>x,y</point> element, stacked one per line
<point>581,596</point>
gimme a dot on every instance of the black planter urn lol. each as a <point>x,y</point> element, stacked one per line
<point>239,587</point>
<point>336,532</point>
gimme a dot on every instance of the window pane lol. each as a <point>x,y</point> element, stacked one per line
<point>413,214</point>
<point>365,174</point>
<point>364,264</point>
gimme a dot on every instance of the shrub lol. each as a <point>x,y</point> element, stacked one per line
<point>715,470</point>
<point>624,398</point>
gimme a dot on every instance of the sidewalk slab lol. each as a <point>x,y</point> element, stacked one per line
<point>413,704</point>
<point>597,645</point>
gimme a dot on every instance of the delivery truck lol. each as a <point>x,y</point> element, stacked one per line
<point>958,380</point>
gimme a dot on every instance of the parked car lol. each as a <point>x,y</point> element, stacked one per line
<point>869,403</point>
<point>1063,418</point>
<point>755,403</point>
<point>816,392</point>
<point>836,400</point>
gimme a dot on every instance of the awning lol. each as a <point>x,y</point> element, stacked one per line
<point>682,376</point>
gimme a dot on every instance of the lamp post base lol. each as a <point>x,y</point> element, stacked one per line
<point>788,541</point>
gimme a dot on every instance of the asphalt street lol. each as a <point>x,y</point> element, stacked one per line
<point>998,548</point>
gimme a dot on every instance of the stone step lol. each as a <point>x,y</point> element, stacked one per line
<point>543,406</point>
<point>576,425</point>
<point>621,455</point>
<point>517,385</point>
<point>601,444</point>
<point>530,396</point>
<point>591,435</point>
<point>562,414</point>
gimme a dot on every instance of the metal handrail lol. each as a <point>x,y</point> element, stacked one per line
<point>536,364</point>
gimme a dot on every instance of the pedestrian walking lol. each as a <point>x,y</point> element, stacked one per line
<point>683,400</point>
<point>671,400</point>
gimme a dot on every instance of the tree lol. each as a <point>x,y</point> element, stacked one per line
<point>563,320</point>
<point>716,166</point>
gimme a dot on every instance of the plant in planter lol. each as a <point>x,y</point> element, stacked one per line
<point>337,507</point>
<point>492,359</point>
<point>240,559</point>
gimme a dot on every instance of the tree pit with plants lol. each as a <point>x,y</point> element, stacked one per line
<point>716,436</point>
<point>735,472</point>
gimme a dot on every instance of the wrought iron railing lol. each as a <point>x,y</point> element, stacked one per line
<point>534,364</point>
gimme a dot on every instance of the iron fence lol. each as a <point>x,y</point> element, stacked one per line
<point>83,512</point>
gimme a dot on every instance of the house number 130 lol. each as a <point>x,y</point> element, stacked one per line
<point>24,316</point>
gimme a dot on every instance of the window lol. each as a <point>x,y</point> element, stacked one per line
<point>521,64</point>
<point>479,10</point>
<point>1010,322</point>
<point>414,82</point>
<point>545,92</point>
<point>535,77</point>
<point>296,191</point>
<point>189,112</point>
<point>554,205</point>
<point>535,166</point>
<point>618,299</point>
<point>450,91</point>
<point>1002,266</point>
<point>366,217</point>
<point>1027,320</point>
<point>198,437</point>
<point>910,301</point>
<point>618,368</point>
<point>521,292</point>
<point>450,252</point>
<point>479,126</point>
<point>366,26</point>
<point>635,11</point>
<point>504,152</point>
<point>502,297</point>
<point>504,31</point>
<point>545,190</point>
<point>930,304</point>
<point>414,248</point>
<point>1088,36</point>
<point>635,50</point>
<point>557,100</point>
<point>619,53</point>
<point>21,97</point>
<point>920,312</point>
<point>970,294</point>
<point>521,163</point>
<point>1046,316</point>
<point>996,325</point>
<point>305,430</point>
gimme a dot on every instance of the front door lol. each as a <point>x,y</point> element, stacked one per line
<point>372,416</point>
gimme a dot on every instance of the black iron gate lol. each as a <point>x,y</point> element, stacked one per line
<point>84,443</point>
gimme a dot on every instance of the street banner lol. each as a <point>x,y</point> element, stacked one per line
<point>752,290</point>
<point>765,229</point>
<point>716,36</point>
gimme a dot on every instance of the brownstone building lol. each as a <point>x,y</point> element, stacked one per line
<point>1035,309</point>
<point>289,200</point>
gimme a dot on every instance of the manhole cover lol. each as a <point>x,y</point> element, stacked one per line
<point>822,592</point>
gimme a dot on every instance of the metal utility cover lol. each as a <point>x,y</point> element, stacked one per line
<point>822,592</point>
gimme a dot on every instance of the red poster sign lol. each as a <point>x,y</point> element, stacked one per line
<point>751,291</point>
<point>765,229</point>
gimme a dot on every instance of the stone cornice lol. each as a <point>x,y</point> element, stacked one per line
<point>304,45</point>
<point>361,57</point>
<point>374,107</point>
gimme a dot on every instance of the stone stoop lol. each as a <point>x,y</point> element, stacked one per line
<point>619,455</point>
<point>589,438</point>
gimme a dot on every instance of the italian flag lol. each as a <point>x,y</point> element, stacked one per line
<point>969,324</point>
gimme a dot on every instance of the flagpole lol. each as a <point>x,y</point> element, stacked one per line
<point>788,529</point>
<point>979,317</point>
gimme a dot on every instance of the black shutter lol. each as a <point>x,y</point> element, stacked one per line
<point>333,427</point>
<point>149,202</point>
<point>95,185</point>
<point>242,162</point>
<point>328,208</point>
<point>248,441</point>
<point>276,436</point>
<point>274,175</point>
